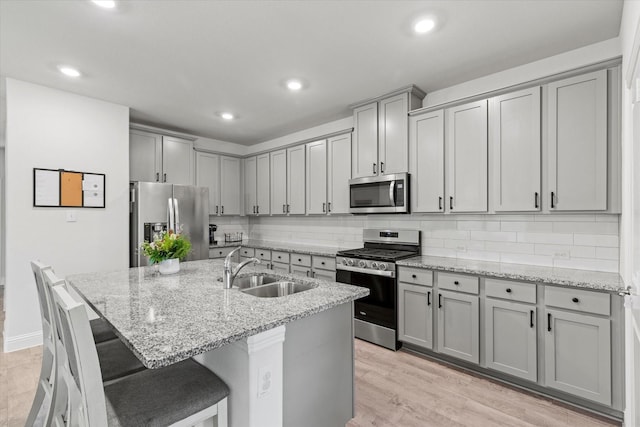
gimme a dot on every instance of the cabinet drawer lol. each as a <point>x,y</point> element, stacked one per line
<point>280,267</point>
<point>324,263</point>
<point>280,257</point>
<point>506,289</point>
<point>300,259</point>
<point>416,276</point>
<point>263,254</point>
<point>458,282</point>
<point>247,252</point>
<point>219,252</point>
<point>578,300</point>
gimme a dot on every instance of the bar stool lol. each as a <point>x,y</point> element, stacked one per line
<point>181,394</point>
<point>116,360</point>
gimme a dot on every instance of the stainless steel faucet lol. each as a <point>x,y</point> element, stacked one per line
<point>229,274</point>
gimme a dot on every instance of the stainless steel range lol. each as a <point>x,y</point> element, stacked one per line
<point>374,267</point>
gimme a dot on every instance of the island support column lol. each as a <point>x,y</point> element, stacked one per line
<point>253,370</point>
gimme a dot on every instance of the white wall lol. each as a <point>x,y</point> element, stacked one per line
<point>2,215</point>
<point>577,58</point>
<point>47,128</point>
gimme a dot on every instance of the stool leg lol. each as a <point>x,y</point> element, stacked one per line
<point>223,416</point>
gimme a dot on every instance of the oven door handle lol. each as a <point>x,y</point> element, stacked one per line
<point>392,192</point>
<point>385,273</point>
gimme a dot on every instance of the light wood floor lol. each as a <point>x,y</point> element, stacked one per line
<point>394,389</point>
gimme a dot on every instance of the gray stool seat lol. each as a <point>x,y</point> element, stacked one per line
<point>101,331</point>
<point>116,360</point>
<point>160,397</point>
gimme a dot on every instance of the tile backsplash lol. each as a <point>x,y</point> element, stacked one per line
<point>583,241</point>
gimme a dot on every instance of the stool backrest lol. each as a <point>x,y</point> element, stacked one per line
<point>46,306</point>
<point>79,372</point>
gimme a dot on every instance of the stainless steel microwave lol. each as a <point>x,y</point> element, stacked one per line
<point>379,194</point>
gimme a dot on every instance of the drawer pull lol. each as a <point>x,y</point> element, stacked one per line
<point>299,260</point>
<point>549,322</point>
<point>439,300</point>
<point>279,257</point>
<point>429,298</point>
<point>508,290</point>
<point>574,299</point>
<point>414,276</point>
<point>322,263</point>
<point>456,282</point>
<point>531,319</point>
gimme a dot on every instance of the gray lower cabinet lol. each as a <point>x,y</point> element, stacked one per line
<point>300,270</point>
<point>327,275</point>
<point>458,325</point>
<point>578,354</point>
<point>415,315</point>
<point>510,338</point>
<point>279,267</point>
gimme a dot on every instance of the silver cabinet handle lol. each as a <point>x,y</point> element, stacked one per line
<point>258,209</point>
<point>451,202</point>
<point>165,177</point>
<point>216,210</point>
<point>157,176</point>
<point>381,167</point>
<point>374,169</point>
<point>288,208</point>
<point>254,208</point>
<point>329,207</point>
<point>324,206</point>
<point>222,210</point>
<point>284,208</point>
<point>553,196</point>
<point>440,203</point>
<point>536,204</point>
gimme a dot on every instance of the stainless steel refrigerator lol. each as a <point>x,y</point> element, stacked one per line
<point>156,207</point>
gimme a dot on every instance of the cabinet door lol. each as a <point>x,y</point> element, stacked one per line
<point>458,326</point>
<point>415,314</point>
<point>317,177</point>
<point>510,338</point>
<point>280,267</point>
<point>577,137</point>
<point>364,154</point>
<point>467,157</point>
<point>426,148</point>
<point>250,185</point>
<point>339,174</point>
<point>177,160</point>
<point>145,156</point>
<point>578,355</point>
<point>329,276</point>
<point>393,142</point>
<point>208,175</point>
<point>296,179</point>
<point>229,185</point>
<point>300,271</point>
<point>279,182</point>
<point>514,122</point>
<point>263,192</point>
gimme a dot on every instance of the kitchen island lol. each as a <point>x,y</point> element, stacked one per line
<point>287,360</point>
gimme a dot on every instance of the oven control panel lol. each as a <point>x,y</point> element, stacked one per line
<point>366,266</point>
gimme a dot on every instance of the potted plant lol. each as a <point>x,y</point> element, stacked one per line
<point>167,251</point>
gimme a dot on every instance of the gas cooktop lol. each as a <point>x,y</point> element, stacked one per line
<point>377,254</point>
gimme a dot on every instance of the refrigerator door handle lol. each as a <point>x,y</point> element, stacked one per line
<point>177,216</point>
<point>170,214</point>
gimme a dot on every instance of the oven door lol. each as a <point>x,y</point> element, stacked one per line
<point>379,194</point>
<point>379,307</point>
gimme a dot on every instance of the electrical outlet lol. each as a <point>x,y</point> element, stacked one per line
<point>561,255</point>
<point>461,248</point>
<point>264,381</point>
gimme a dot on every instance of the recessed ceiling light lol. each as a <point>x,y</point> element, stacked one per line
<point>107,4</point>
<point>294,84</point>
<point>69,71</point>
<point>424,26</point>
<point>226,116</point>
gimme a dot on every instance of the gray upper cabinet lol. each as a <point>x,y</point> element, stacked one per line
<point>158,158</point>
<point>250,185</point>
<point>279,182</point>
<point>380,135</point>
<point>221,175</point>
<point>256,185</point>
<point>415,314</point>
<point>317,177</point>
<point>467,150</point>
<point>458,325</point>
<point>578,354</point>
<point>426,161</point>
<point>365,141</point>
<point>510,338</point>
<point>577,143</point>
<point>296,180</point>
<point>339,174</point>
<point>515,146</point>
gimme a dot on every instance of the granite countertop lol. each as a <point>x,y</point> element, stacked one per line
<point>329,251</point>
<point>166,319</point>
<point>596,280</point>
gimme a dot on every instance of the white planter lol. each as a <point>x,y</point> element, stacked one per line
<point>169,266</point>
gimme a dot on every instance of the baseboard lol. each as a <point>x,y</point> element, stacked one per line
<point>21,342</point>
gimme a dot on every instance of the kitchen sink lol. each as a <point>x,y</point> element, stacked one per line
<point>278,289</point>
<point>253,281</point>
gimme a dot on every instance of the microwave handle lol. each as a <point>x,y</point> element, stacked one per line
<point>392,192</point>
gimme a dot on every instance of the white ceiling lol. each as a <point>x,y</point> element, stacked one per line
<point>178,63</point>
